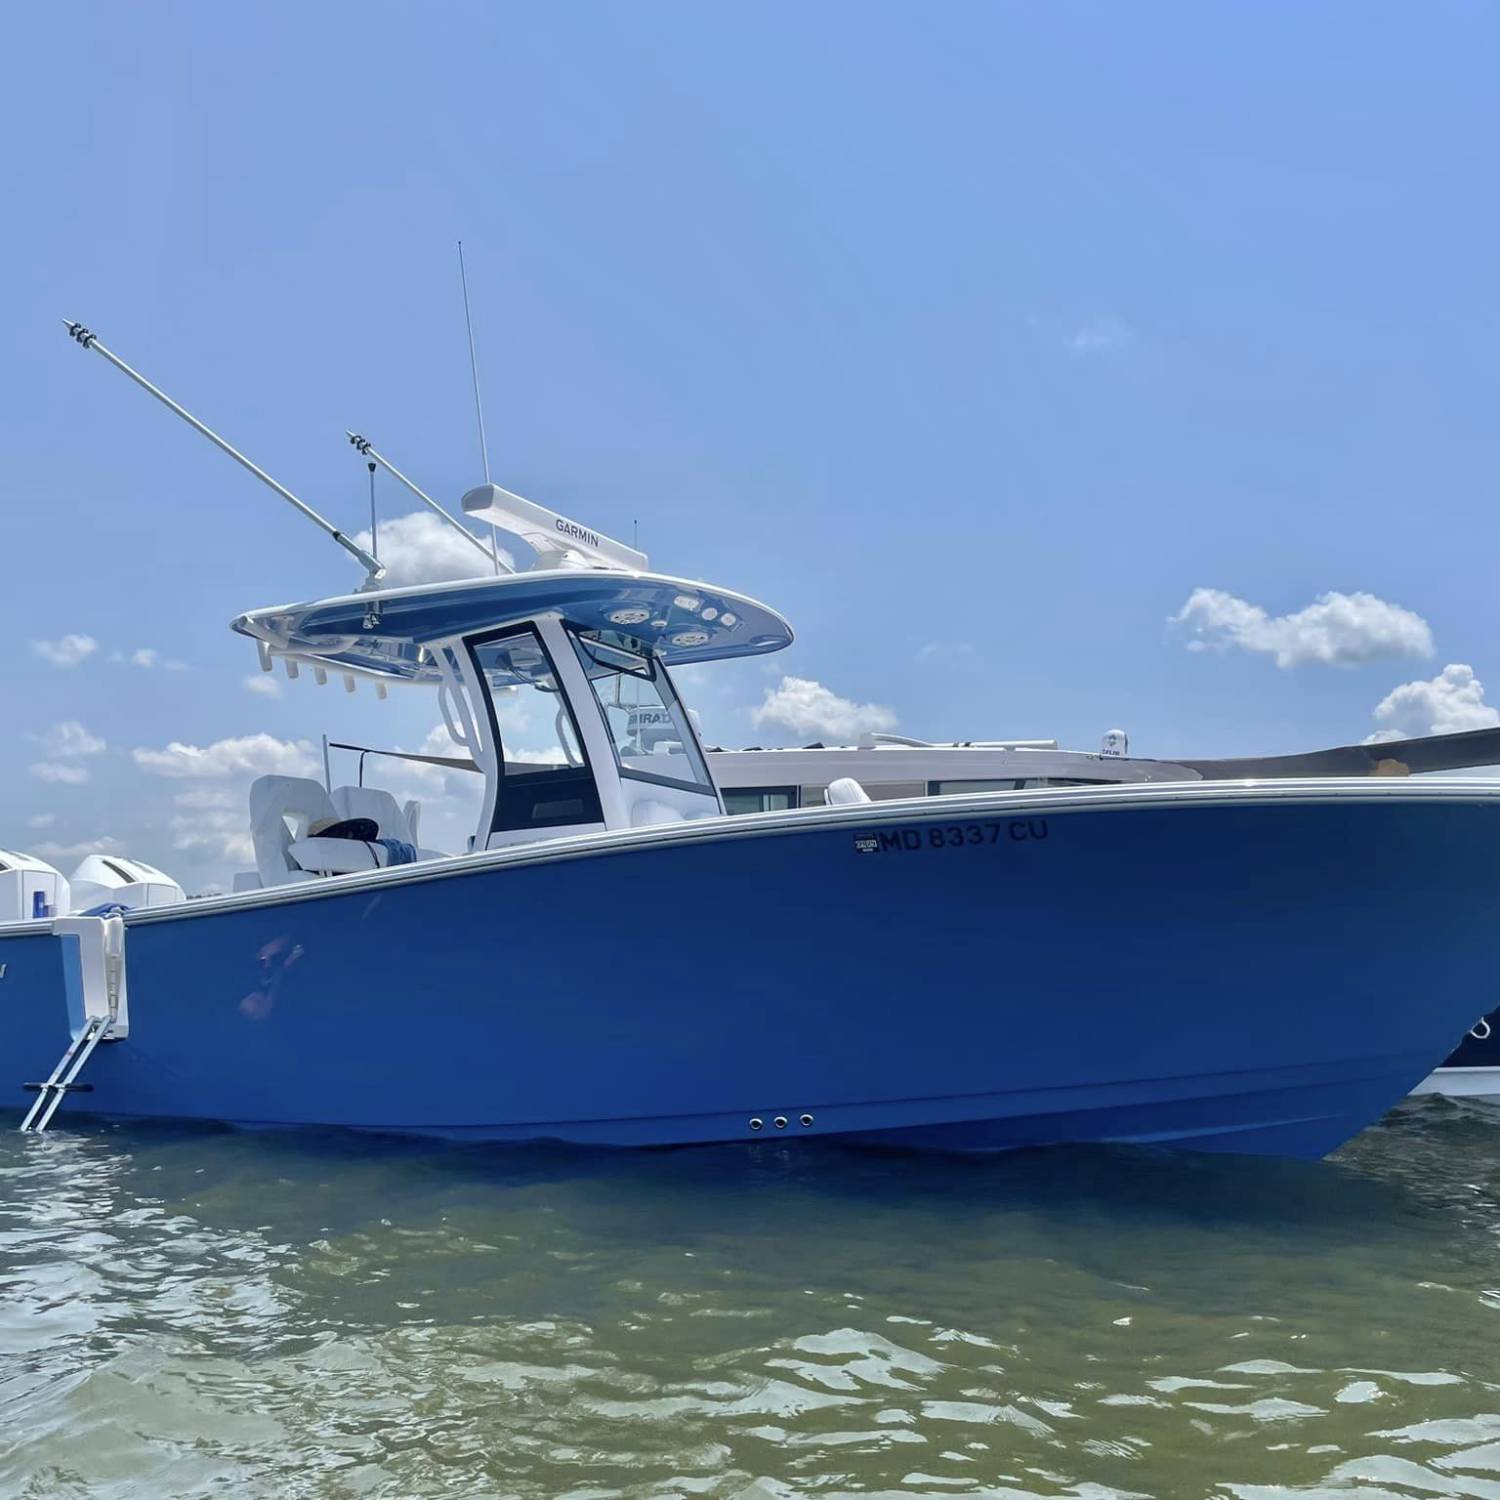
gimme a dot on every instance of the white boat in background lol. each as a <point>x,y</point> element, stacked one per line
<point>892,767</point>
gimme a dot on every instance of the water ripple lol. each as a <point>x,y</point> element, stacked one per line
<point>199,1313</point>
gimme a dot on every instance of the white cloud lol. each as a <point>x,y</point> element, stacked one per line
<point>1449,703</point>
<point>223,835</point>
<point>1100,335</point>
<point>213,820</point>
<point>946,651</point>
<point>41,820</point>
<point>440,741</point>
<point>542,755</point>
<point>104,844</point>
<point>264,684</point>
<point>210,798</point>
<point>419,548</point>
<point>68,651</point>
<point>210,817</point>
<point>1335,630</point>
<point>437,779</point>
<point>69,740</point>
<point>809,709</point>
<point>59,771</point>
<point>148,657</point>
<point>416,779</point>
<point>250,755</point>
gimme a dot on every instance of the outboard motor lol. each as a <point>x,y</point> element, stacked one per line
<point>31,890</point>
<point>109,880</point>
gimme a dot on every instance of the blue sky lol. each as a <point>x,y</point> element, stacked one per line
<point>974,337</point>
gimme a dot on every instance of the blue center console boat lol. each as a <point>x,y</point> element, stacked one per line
<point>1223,966</point>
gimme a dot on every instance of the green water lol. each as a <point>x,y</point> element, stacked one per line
<point>206,1313</point>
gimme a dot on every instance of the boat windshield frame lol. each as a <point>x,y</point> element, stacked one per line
<point>653,670</point>
<point>580,779</point>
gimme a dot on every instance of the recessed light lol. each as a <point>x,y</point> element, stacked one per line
<point>728,619</point>
<point>687,601</point>
<point>632,616</point>
<point>689,637</point>
<point>710,613</point>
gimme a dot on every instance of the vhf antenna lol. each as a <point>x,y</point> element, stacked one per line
<point>484,451</point>
<point>372,565</point>
<point>366,449</point>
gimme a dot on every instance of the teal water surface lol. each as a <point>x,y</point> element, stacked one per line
<point>196,1313</point>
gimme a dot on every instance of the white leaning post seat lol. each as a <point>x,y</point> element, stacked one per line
<point>282,809</point>
<point>845,791</point>
<point>393,820</point>
<point>377,805</point>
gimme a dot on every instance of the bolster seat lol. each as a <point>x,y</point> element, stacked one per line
<point>337,856</point>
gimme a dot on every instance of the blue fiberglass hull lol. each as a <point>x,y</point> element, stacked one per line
<point>1215,968</point>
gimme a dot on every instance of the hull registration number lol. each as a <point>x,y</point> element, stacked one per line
<point>951,836</point>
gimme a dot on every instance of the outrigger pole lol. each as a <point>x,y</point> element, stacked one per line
<point>372,565</point>
<point>367,450</point>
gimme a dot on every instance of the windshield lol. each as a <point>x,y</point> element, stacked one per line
<point>544,779</point>
<point>534,725</point>
<point>647,724</point>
